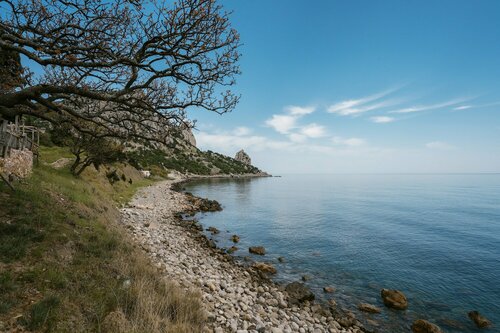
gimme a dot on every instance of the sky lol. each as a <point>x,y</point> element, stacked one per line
<point>364,87</point>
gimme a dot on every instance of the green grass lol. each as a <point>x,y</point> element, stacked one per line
<point>63,259</point>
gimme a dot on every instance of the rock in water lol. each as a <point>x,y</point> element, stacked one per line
<point>328,289</point>
<point>213,230</point>
<point>243,157</point>
<point>368,308</point>
<point>265,268</point>
<point>479,320</point>
<point>299,293</point>
<point>394,299</point>
<point>260,250</point>
<point>423,326</point>
<point>235,238</point>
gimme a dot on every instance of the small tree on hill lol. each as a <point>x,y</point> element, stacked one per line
<point>88,150</point>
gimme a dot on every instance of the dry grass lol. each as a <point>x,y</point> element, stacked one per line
<point>67,266</point>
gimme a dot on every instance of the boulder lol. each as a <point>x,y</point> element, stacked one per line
<point>213,230</point>
<point>394,299</point>
<point>479,320</point>
<point>235,238</point>
<point>332,303</point>
<point>306,277</point>
<point>243,157</point>
<point>260,250</point>
<point>369,308</point>
<point>265,268</point>
<point>328,289</point>
<point>423,326</point>
<point>299,293</point>
<point>232,249</point>
<point>206,205</point>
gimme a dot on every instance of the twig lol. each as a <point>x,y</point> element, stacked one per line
<point>6,181</point>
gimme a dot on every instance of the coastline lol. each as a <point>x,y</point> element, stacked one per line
<point>237,297</point>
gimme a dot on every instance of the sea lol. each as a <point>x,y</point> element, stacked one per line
<point>435,237</point>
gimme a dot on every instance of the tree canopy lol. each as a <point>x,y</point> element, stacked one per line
<point>125,68</point>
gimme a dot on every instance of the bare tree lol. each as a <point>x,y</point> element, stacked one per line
<point>124,68</point>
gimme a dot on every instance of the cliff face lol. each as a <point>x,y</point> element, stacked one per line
<point>181,154</point>
<point>243,157</point>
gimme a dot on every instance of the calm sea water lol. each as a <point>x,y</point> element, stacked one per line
<point>435,237</point>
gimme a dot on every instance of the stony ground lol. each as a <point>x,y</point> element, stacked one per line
<point>236,299</point>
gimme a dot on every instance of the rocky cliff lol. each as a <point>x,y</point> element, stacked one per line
<point>243,157</point>
<point>182,155</point>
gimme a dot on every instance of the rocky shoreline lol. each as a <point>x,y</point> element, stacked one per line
<point>238,297</point>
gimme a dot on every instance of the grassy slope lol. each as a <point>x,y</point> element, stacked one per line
<point>65,264</point>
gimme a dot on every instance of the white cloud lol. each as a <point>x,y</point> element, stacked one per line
<point>297,138</point>
<point>440,145</point>
<point>431,107</point>
<point>282,123</point>
<point>229,142</point>
<point>313,131</point>
<point>465,107</point>
<point>355,106</point>
<point>462,107</point>
<point>299,110</point>
<point>351,142</point>
<point>242,131</point>
<point>382,119</point>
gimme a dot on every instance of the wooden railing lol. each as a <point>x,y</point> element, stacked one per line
<point>18,136</point>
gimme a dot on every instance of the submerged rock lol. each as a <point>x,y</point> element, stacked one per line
<point>423,326</point>
<point>306,277</point>
<point>298,292</point>
<point>328,289</point>
<point>213,230</point>
<point>369,308</point>
<point>265,268</point>
<point>232,249</point>
<point>394,299</point>
<point>479,320</point>
<point>235,238</point>
<point>260,250</point>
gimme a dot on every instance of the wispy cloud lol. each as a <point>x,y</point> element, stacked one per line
<point>313,131</point>
<point>300,110</point>
<point>282,123</point>
<point>466,107</point>
<point>441,105</point>
<point>228,142</point>
<point>462,107</point>
<point>368,103</point>
<point>242,131</point>
<point>351,142</point>
<point>382,119</point>
<point>287,123</point>
<point>440,145</point>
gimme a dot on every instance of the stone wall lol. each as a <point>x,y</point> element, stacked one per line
<point>18,164</point>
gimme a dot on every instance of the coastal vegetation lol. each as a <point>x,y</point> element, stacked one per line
<point>66,266</point>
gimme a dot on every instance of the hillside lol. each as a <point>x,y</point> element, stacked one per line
<point>66,266</point>
<point>182,155</point>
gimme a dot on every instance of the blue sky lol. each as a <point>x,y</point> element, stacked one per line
<point>364,86</point>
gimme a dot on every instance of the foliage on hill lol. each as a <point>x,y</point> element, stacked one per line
<point>192,161</point>
<point>65,266</point>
